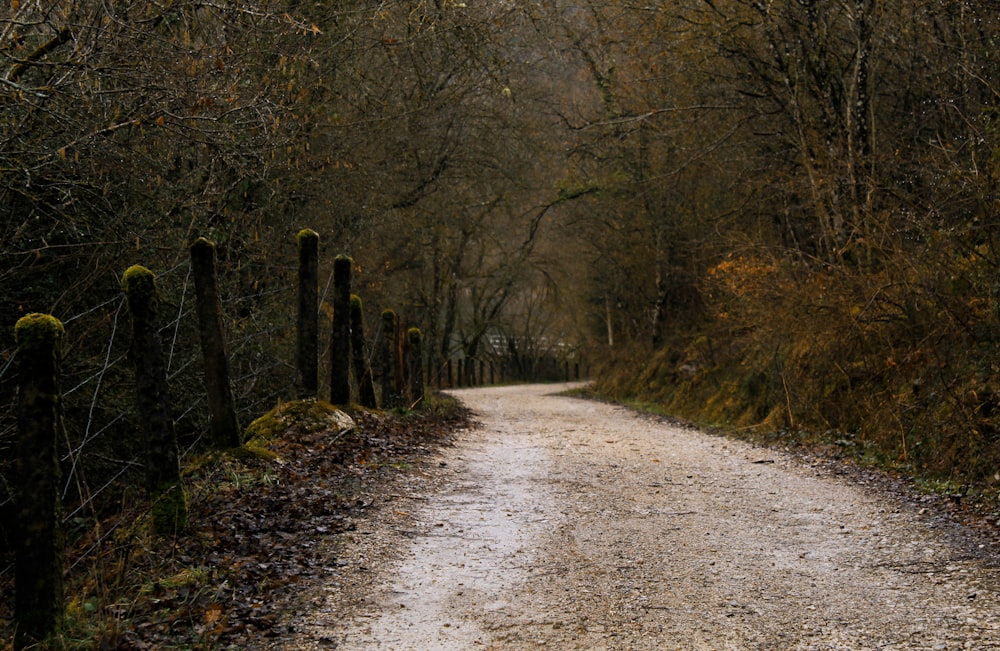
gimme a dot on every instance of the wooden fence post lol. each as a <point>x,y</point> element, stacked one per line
<point>415,365</point>
<point>221,403</point>
<point>340,334</point>
<point>38,601</point>
<point>359,358</point>
<point>391,394</point>
<point>308,318</point>
<point>152,398</point>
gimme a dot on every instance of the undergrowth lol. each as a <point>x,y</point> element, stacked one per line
<point>259,516</point>
<point>897,366</point>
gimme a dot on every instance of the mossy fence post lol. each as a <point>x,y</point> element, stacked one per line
<point>152,399</point>
<point>221,403</point>
<point>38,566</point>
<point>306,363</point>
<point>359,357</point>
<point>415,365</point>
<point>340,334</point>
<point>391,393</point>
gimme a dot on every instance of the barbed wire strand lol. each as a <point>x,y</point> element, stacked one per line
<point>93,309</point>
<point>177,321</point>
<point>75,458</point>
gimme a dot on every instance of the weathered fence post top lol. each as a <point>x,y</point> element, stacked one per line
<point>308,234</point>
<point>203,245</point>
<point>139,284</point>
<point>34,331</point>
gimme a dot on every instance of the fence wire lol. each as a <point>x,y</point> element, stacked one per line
<point>101,451</point>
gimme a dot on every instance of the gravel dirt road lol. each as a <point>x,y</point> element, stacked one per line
<point>569,524</point>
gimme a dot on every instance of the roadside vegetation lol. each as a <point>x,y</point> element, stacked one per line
<point>261,521</point>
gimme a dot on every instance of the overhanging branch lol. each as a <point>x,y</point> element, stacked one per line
<point>64,35</point>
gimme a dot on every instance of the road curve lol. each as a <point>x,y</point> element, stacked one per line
<point>568,524</point>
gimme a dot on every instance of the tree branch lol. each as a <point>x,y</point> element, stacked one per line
<point>61,37</point>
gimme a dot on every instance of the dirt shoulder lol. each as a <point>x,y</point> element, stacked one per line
<point>569,524</point>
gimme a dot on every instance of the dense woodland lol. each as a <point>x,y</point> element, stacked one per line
<point>778,215</point>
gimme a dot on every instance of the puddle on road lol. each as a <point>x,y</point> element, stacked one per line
<point>470,549</point>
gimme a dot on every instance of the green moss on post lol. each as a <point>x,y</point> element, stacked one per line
<point>38,603</point>
<point>139,284</point>
<point>39,333</point>
<point>415,365</point>
<point>308,318</point>
<point>221,404</point>
<point>340,334</point>
<point>152,398</point>
<point>359,357</point>
<point>391,394</point>
<point>168,508</point>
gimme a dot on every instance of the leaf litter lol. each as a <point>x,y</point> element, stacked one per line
<point>259,523</point>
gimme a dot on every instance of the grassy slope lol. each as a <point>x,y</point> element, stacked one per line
<point>892,374</point>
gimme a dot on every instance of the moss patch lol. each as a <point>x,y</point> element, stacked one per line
<point>169,510</point>
<point>139,284</point>
<point>306,415</point>
<point>36,330</point>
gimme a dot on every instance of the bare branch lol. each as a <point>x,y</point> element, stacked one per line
<point>64,35</point>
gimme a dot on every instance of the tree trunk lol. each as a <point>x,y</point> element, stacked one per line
<point>607,319</point>
<point>859,121</point>
<point>308,317</point>
<point>415,364</point>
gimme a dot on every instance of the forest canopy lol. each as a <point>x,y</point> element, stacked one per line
<point>778,215</point>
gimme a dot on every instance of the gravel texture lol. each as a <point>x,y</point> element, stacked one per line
<point>568,524</point>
